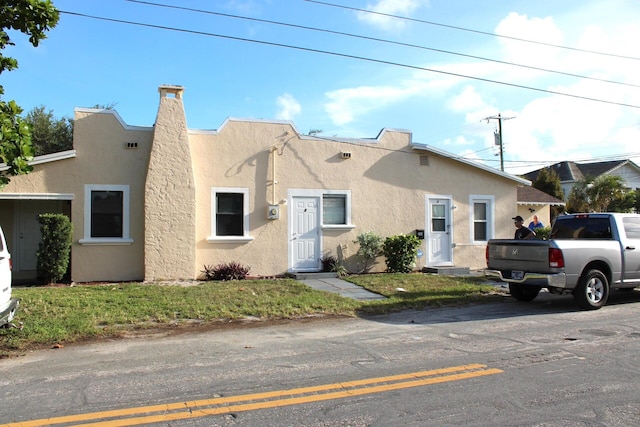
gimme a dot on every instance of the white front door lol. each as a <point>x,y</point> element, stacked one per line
<point>304,240</point>
<point>439,231</point>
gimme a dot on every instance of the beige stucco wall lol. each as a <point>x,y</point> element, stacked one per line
<point>388,189</point>
<point>101,158</point>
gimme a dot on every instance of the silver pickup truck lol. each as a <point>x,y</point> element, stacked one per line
<point>586,255</point>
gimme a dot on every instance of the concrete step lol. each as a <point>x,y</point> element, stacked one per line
<point>447,271</point>
<point>310,276</point>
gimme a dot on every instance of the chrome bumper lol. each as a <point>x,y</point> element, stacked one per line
<point>555,280</point>
<point>6,316</point>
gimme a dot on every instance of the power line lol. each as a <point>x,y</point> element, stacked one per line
<point>343,55</point>
<point>474,31</point>
<point>341,33</point>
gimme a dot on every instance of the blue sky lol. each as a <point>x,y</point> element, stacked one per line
<point>86,61</point>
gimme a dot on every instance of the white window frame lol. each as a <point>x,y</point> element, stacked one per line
<point>213,238</point>
<point>125,239</point>
<point>347,207</point>
<point>489,200</point>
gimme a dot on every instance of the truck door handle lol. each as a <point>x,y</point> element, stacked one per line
<point>630,248</point>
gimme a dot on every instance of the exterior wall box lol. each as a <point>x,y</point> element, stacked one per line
<point>273,212</point>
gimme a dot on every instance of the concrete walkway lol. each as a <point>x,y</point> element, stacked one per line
<point>341,287</point>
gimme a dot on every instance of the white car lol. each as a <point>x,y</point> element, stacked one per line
<point>8,305</point>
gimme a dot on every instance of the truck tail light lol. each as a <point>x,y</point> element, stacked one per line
<point>556,260</point>
<point>486,255</point>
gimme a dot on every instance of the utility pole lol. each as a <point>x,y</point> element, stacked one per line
<point>499,118</point>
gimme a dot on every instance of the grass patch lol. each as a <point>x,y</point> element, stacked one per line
<point>417,291</point>
<point>52,315</point>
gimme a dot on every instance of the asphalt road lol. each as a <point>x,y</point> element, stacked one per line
<point>511,364</point>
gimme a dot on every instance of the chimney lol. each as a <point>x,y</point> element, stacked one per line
<point>169,205</point>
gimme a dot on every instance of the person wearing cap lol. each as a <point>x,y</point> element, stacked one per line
<point>522,232</point>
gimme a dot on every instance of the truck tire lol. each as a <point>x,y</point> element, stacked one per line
<point>522,292</point>
<point>592,291</point>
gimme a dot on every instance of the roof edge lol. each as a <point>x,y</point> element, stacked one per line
<point>425,147</point>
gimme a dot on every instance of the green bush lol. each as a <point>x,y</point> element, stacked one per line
<point>543,233</point>
<point>400,252</point>
<point>370,247</point>
<point>230,271</point>
<point>55,248</point>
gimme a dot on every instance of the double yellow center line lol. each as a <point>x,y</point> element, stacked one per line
<point>273,399</point>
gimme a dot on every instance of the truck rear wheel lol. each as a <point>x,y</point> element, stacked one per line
<point>592,291</point>
<point>522,292</point>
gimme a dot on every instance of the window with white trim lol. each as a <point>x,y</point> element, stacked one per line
<point>334,209</point>
<point>229,214</point>
<point>106,214</point>
<point>481,218</point>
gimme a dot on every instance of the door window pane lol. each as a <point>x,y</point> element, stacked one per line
<point>437,211</point>
<point>437,218</point>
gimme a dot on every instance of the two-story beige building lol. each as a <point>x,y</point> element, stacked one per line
<point>161,202</point>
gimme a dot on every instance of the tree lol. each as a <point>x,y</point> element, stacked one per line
<point>578,198</point>
<point>48,134</point>
<point>32,18</point>
<point>548,182</point>
<point>606,193</point>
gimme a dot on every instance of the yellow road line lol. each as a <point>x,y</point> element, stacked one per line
<point>198,408</point>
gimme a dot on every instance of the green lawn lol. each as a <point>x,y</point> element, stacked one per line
<point>59,315</point>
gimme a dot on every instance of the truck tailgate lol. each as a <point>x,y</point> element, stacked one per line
<point>523,255</point>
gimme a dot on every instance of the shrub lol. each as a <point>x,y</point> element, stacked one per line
<point>370,247</point>
<point>230,271</point>
<point>329,262</point>
<point>400,252</point>
<point>543,233</point>
<point>55,248</point>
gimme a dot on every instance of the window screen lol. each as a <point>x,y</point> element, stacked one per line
<point>334,209</point>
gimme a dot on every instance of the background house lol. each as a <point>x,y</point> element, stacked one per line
<point>570,172</point>
<point>159,203</point>
<point>532,201</point>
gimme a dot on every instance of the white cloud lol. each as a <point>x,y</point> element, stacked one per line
<point>345,105</point>
<point>289,107</point>
<point>467,100</point>
<point>542,30</point>
<point>390,7</point>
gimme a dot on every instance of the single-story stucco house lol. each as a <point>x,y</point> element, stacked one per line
<point>161,202</point>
